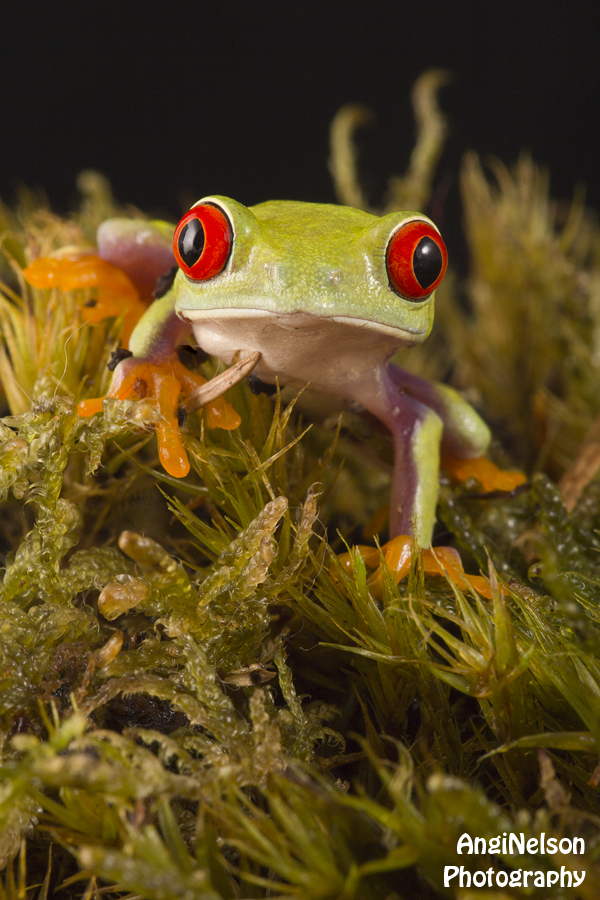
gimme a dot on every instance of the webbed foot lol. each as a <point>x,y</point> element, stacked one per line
<point>116,294</point>
<point>397,553</point>
<point>487,473</point>
<point>165,382</point>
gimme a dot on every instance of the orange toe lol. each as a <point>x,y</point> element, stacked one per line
<point>87,408</point>
<point>171,451</point>
<point>219,413</point>
<point>489,476</point>
<point>116,295</point>
<point>397,553</point>
<point>164,382</point>
<point>446,561</point>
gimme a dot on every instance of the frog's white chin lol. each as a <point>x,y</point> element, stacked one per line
<point>305,320</point>
<point>329,352</point>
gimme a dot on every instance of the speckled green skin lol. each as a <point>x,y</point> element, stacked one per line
<point>306,284</point>
<point>310,257</point>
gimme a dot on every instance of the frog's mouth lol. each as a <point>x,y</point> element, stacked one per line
<point>378,326</point>
<point>329,352</point>
<point>299,319</point>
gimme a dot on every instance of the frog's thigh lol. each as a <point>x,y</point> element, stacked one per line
<point>417,432</point>
<point>465,434</point>
<point>141,248</point>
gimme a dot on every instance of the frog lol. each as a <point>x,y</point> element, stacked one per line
<point>326,295</point>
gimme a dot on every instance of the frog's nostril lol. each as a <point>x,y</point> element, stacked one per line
<point>279,272</point>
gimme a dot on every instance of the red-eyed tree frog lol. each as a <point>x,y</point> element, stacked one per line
<point>326,294</point>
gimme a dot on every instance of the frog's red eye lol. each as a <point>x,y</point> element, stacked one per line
<point>202,242</point>
<point>416,260</point>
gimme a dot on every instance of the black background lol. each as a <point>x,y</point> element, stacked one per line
<point>176,100</point>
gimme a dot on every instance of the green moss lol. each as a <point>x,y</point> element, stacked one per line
<point>198,700</point>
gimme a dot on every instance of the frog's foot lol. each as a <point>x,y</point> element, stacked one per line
<point>138,378</point>
<point>115,294</point>
<point>397,554</point>
<point>489,476</point>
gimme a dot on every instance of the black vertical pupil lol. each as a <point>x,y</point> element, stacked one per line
<point>427,262</point>
<point>191,242</point>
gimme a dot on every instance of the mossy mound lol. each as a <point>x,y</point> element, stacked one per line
<point>199,701</point>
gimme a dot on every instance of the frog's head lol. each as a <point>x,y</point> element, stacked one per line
<point>323,260</point>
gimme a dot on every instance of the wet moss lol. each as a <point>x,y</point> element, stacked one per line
<point>198,700</point>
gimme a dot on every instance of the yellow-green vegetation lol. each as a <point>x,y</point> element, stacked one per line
<point>197,700</point>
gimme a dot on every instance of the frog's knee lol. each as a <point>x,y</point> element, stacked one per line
<point>465,432</point>
<point>142,249</point>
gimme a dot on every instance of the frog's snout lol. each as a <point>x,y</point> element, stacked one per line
<point>285,276</point>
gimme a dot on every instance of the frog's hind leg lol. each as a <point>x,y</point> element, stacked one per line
<point>465,437</point>
<point>142,249</point>
<point>417,431</point>
<point>421,419</point>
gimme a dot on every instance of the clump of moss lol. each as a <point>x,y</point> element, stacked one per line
<point>199,700</point>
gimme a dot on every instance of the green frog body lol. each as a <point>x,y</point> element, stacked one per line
<point>326,294</point>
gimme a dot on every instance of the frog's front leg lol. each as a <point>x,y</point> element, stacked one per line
<point>153,370</point>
